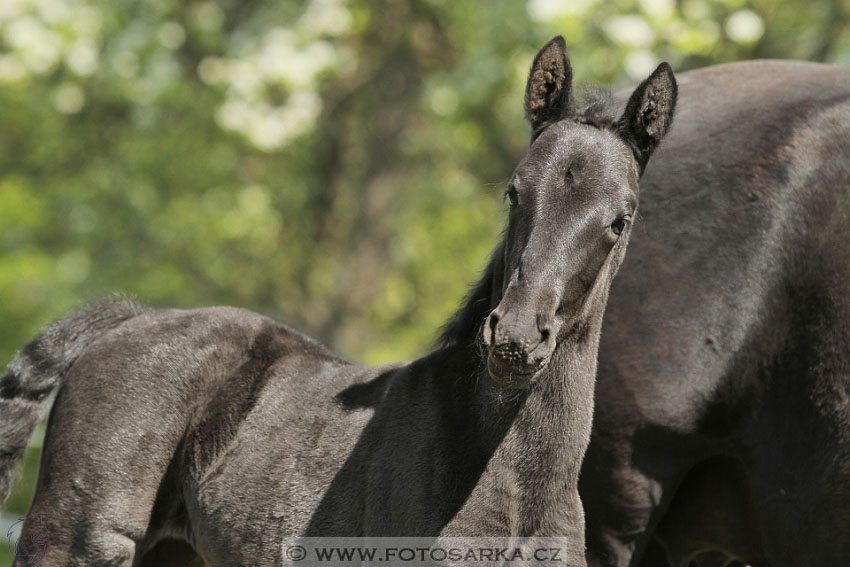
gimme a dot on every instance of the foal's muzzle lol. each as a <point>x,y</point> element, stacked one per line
<point>509,377</point>
<point>519,346</point>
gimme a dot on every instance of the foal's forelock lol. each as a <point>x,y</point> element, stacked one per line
<point>598,109</point>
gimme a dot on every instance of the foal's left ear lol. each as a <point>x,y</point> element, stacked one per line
<point>649,113</point>
<point>549,91</point>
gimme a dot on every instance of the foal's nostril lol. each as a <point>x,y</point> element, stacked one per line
<point>492,322</point>
<point>544,335</point>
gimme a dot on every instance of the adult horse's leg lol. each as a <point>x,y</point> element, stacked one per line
<point>804,500</point>
<point>802,449</point>
<point>630,499</point>
<point>711,520</point>
<point>633,464</point>
<point>626,501</point>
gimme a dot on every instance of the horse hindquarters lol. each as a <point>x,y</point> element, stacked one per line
<point>112,434</point>
<point>110,481</point>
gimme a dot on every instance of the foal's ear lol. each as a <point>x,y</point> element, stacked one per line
<point>649,113</point>
<point>549,91</point>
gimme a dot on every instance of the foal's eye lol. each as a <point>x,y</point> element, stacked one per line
<point>512,195</point>
<point>619,225</point>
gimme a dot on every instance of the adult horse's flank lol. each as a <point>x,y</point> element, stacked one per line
<point>724,363</point>
<point>226,430</point>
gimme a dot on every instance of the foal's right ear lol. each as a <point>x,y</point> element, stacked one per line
<point>549,91</point>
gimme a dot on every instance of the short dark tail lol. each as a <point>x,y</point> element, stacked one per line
<point>39,367</point>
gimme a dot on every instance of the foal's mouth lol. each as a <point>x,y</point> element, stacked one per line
<point>514,378</point>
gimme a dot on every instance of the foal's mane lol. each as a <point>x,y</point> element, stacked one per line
<point>467,320</point>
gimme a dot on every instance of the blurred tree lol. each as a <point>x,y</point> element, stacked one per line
<point>337,164</point>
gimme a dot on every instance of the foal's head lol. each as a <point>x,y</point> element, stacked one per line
<point>572,201</point>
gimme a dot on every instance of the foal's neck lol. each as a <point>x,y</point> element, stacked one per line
<point>536,440</point>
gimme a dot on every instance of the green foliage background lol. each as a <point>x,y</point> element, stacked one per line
<point>336,164</point>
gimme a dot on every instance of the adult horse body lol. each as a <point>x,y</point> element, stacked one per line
<point>726,341</point>
<point>229,431</point>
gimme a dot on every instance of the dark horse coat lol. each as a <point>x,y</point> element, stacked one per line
<point>725,348</point>
<point>227,430</point>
